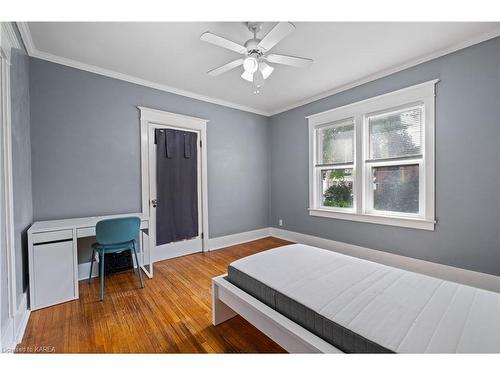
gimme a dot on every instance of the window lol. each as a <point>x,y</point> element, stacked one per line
<point>336,164</point>
<point>373,160</point>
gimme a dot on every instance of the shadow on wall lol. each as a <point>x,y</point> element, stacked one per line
<point>24,255</point>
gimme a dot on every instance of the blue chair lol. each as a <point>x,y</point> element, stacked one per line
<point>115,236</point>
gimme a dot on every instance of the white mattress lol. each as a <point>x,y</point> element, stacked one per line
<point>400,310</point>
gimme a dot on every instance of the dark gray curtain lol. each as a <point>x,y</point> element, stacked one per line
<point>176,185</point>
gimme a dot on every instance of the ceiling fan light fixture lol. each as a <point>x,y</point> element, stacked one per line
<point>247,76</point>
<point>265,69</point>
<point>255,53</point>
<point>251,64</point>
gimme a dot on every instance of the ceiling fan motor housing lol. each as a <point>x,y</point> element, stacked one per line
<point>251,46</point>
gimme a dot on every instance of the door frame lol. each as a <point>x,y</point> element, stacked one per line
<point>8,41</point>
<point>149,116</point>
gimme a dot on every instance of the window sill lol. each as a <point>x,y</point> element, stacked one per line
<point>374,219</point>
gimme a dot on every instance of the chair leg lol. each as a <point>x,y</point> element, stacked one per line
<point>91,264</point>
<point>101,275</point>
<point>138,266</point>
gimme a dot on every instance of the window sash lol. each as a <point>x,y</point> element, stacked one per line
<point>319,145</point>
<point>368,192</point>
<point>368,164</point>
<point>319,188</point>
<point>391,111</point>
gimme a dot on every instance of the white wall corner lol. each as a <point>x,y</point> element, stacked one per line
<point>10,34</point>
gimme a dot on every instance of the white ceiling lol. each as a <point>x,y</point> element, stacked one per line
<point>171,54</point>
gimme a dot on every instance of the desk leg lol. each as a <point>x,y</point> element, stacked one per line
<point>75,257</point>
<point>145,255</point>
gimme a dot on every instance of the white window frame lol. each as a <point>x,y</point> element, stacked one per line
<point>422,95</point>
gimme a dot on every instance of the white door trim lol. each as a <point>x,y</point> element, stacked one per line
<point>154,116</point>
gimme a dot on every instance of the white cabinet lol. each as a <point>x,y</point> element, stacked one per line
<point>52,277</point>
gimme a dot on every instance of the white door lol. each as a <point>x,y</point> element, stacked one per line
<point>179,248</point>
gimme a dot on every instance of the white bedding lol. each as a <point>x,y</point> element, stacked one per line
<point>400,310</point>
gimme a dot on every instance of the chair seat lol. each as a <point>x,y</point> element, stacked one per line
<point>113,248</point>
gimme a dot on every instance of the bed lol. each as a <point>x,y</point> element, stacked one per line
<point>309,299</point>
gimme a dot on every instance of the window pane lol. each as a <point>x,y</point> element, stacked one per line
<point>395,188</point>
<point>336,143</point>
<point>337,188</point>
<point>396,134</point>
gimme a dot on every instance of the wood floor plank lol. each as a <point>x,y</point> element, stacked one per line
<point>171,315</point>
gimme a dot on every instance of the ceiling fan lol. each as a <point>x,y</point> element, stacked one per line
<point>255,63</point>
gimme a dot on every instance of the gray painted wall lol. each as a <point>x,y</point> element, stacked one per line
<point>21,164</point>
<point>467,165</point>
<point>85,138</point>
<point>86,149</point>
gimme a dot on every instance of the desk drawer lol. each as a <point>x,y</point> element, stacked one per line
<point>57,235</point>
<point>85,232</point>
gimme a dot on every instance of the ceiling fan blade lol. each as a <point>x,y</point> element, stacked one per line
<point>299,62</point>
<point>277,33</point>
<point>223,42</point>
<point>225,68</point>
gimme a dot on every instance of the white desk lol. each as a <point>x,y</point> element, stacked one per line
<point>53,257</point>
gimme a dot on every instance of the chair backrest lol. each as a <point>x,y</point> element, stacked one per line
<point>113,231</point>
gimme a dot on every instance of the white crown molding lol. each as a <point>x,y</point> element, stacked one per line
<point>26,37</point>
<point>394,69</point>
<point>34,52</point>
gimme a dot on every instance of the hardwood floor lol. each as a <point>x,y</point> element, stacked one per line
<point>171,315</point>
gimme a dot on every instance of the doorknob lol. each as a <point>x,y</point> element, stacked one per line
<point>154,202</point>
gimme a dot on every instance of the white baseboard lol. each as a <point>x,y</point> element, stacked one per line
<point>84,269</point>
<point>15,327</point>
<point>234,239</point>
<point>213,244</point>
<point>21,320</point>
<point>178,249</point>
<point>459,275</point>
<point>8,341</point>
